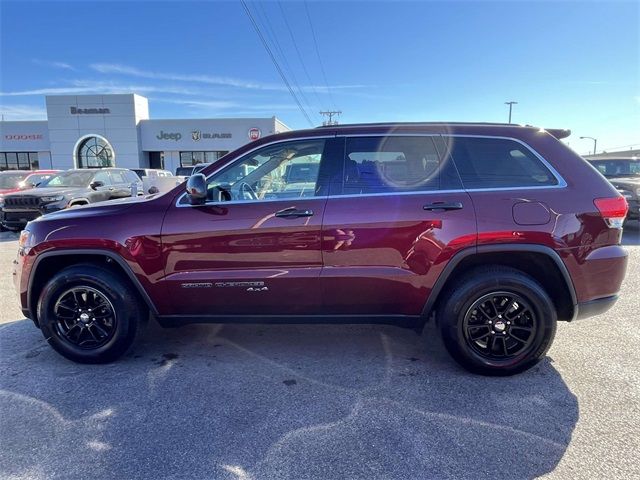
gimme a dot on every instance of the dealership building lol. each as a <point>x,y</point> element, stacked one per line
<point>91,131</point>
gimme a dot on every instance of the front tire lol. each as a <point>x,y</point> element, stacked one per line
<point>497,321</point>
<point>88,314</point>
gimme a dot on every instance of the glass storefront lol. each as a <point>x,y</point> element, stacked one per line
<point>188,159</point>
<point>19,161</point>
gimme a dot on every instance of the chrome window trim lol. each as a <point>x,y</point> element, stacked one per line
<point>561,181</point>
<point>274,142</point>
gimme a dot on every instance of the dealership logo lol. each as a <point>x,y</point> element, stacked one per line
<point>24,136</point>
<point>254,133</point>
<point>196,135</point>
<point>169,136</point>
<point>88,111</point>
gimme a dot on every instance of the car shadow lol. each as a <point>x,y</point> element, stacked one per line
<point>313,401</point>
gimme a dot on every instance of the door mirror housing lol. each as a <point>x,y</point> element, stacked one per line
<point>197,189</point>
<point>96,184</point>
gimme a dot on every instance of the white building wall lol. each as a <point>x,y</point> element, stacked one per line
<point>127,128</point>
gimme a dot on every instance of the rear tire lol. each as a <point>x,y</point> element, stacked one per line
<point>497,321</point>
<point>88,314</point>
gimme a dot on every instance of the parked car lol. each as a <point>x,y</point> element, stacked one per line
<point>17,180</point>
<point>71,188</point>
<point>10,180</point>
<point>495,231</point>
<point>151,173</point>
<point>624,174</point>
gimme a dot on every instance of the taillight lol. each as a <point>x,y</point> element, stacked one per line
<point>613,210</point>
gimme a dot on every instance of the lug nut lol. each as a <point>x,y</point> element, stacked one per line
<point>504,333</point>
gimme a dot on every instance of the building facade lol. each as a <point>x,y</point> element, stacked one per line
<point>92,131</point>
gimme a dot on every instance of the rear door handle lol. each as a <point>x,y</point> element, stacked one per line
<point>294,213</point>
<point>443,206</point>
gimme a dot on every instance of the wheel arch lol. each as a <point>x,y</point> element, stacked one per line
<point>49,263</point>
<point>538,261</point>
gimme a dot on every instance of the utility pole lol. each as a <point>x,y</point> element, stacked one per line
<point>331,114</point>
<point>595,142</point>
<point>511,104</point>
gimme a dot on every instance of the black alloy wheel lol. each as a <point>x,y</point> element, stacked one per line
<point>500,325</point>
<point>85,317</point>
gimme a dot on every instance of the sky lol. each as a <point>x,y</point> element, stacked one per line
<point>568,64</point>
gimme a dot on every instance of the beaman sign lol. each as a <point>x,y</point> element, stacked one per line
<point>88,111</point>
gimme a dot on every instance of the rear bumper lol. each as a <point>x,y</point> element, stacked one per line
<point>594,307</point>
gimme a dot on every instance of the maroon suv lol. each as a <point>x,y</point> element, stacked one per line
<point>496,231</point>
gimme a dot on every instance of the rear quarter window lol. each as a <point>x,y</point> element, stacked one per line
<point>498,163</point>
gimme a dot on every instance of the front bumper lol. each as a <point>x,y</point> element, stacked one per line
<point>18,218</point>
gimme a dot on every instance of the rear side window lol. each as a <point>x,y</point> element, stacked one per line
<point>498,163</point>
<point>390,164</point>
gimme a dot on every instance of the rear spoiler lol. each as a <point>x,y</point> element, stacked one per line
<point>559,133</point>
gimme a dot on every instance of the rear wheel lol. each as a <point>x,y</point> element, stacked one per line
<point>497,321</point>
<point>88,314</point>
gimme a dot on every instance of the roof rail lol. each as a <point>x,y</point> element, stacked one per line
<point>391,124</point>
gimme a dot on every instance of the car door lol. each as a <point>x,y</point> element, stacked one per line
<point>391,226</point>
<point>122,181</point>
<point>103,192</point>
<point>254,247</point>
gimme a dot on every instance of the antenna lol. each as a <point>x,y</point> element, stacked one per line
<point>331,114</point>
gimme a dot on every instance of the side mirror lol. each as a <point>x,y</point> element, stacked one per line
<point>197,189</point>
<point>96,184</point>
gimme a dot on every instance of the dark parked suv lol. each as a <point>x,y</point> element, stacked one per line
<point>495,231</point>
<point>71,188</point>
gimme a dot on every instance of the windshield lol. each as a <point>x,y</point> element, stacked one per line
<point>618,168</point>
<point>11,180</point>
<point>69,179</point>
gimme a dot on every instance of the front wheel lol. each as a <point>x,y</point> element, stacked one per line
<point>497,321</point>
<point>88,314</point>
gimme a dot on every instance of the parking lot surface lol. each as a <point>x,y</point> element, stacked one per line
<point>295,402</point>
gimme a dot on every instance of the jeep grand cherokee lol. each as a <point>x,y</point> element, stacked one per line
<point>495,231</point>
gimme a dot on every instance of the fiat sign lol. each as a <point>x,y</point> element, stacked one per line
<point>254,133</point>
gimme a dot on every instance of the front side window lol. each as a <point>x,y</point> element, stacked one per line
<point>280,171</point>
<point>498,163</point>
<point>390,164</point>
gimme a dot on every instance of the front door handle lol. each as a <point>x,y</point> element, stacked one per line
<point>294,213</point>
<point>443,206</point>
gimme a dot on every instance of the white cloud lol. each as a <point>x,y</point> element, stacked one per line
<point>22,112</point>
<point>79,87</point>
<point>53,64</point>
<point>110,68</point>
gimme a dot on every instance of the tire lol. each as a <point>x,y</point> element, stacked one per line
<point>114,322</point>
<point>508,303</point>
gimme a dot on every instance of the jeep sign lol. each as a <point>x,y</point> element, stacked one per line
<point>169,136</point>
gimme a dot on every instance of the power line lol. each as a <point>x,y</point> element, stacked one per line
<point>315,42</point>
<point>275,62</point>
<point>295,44</point>
<point>271,33</point>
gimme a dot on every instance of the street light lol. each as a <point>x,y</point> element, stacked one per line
<point>511,104</point>
<point>595,142</point>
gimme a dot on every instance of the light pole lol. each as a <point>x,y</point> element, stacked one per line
<point>595,142</point>
<point>511,104</point>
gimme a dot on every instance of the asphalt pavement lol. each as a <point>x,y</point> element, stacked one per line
<point>296,402</point>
